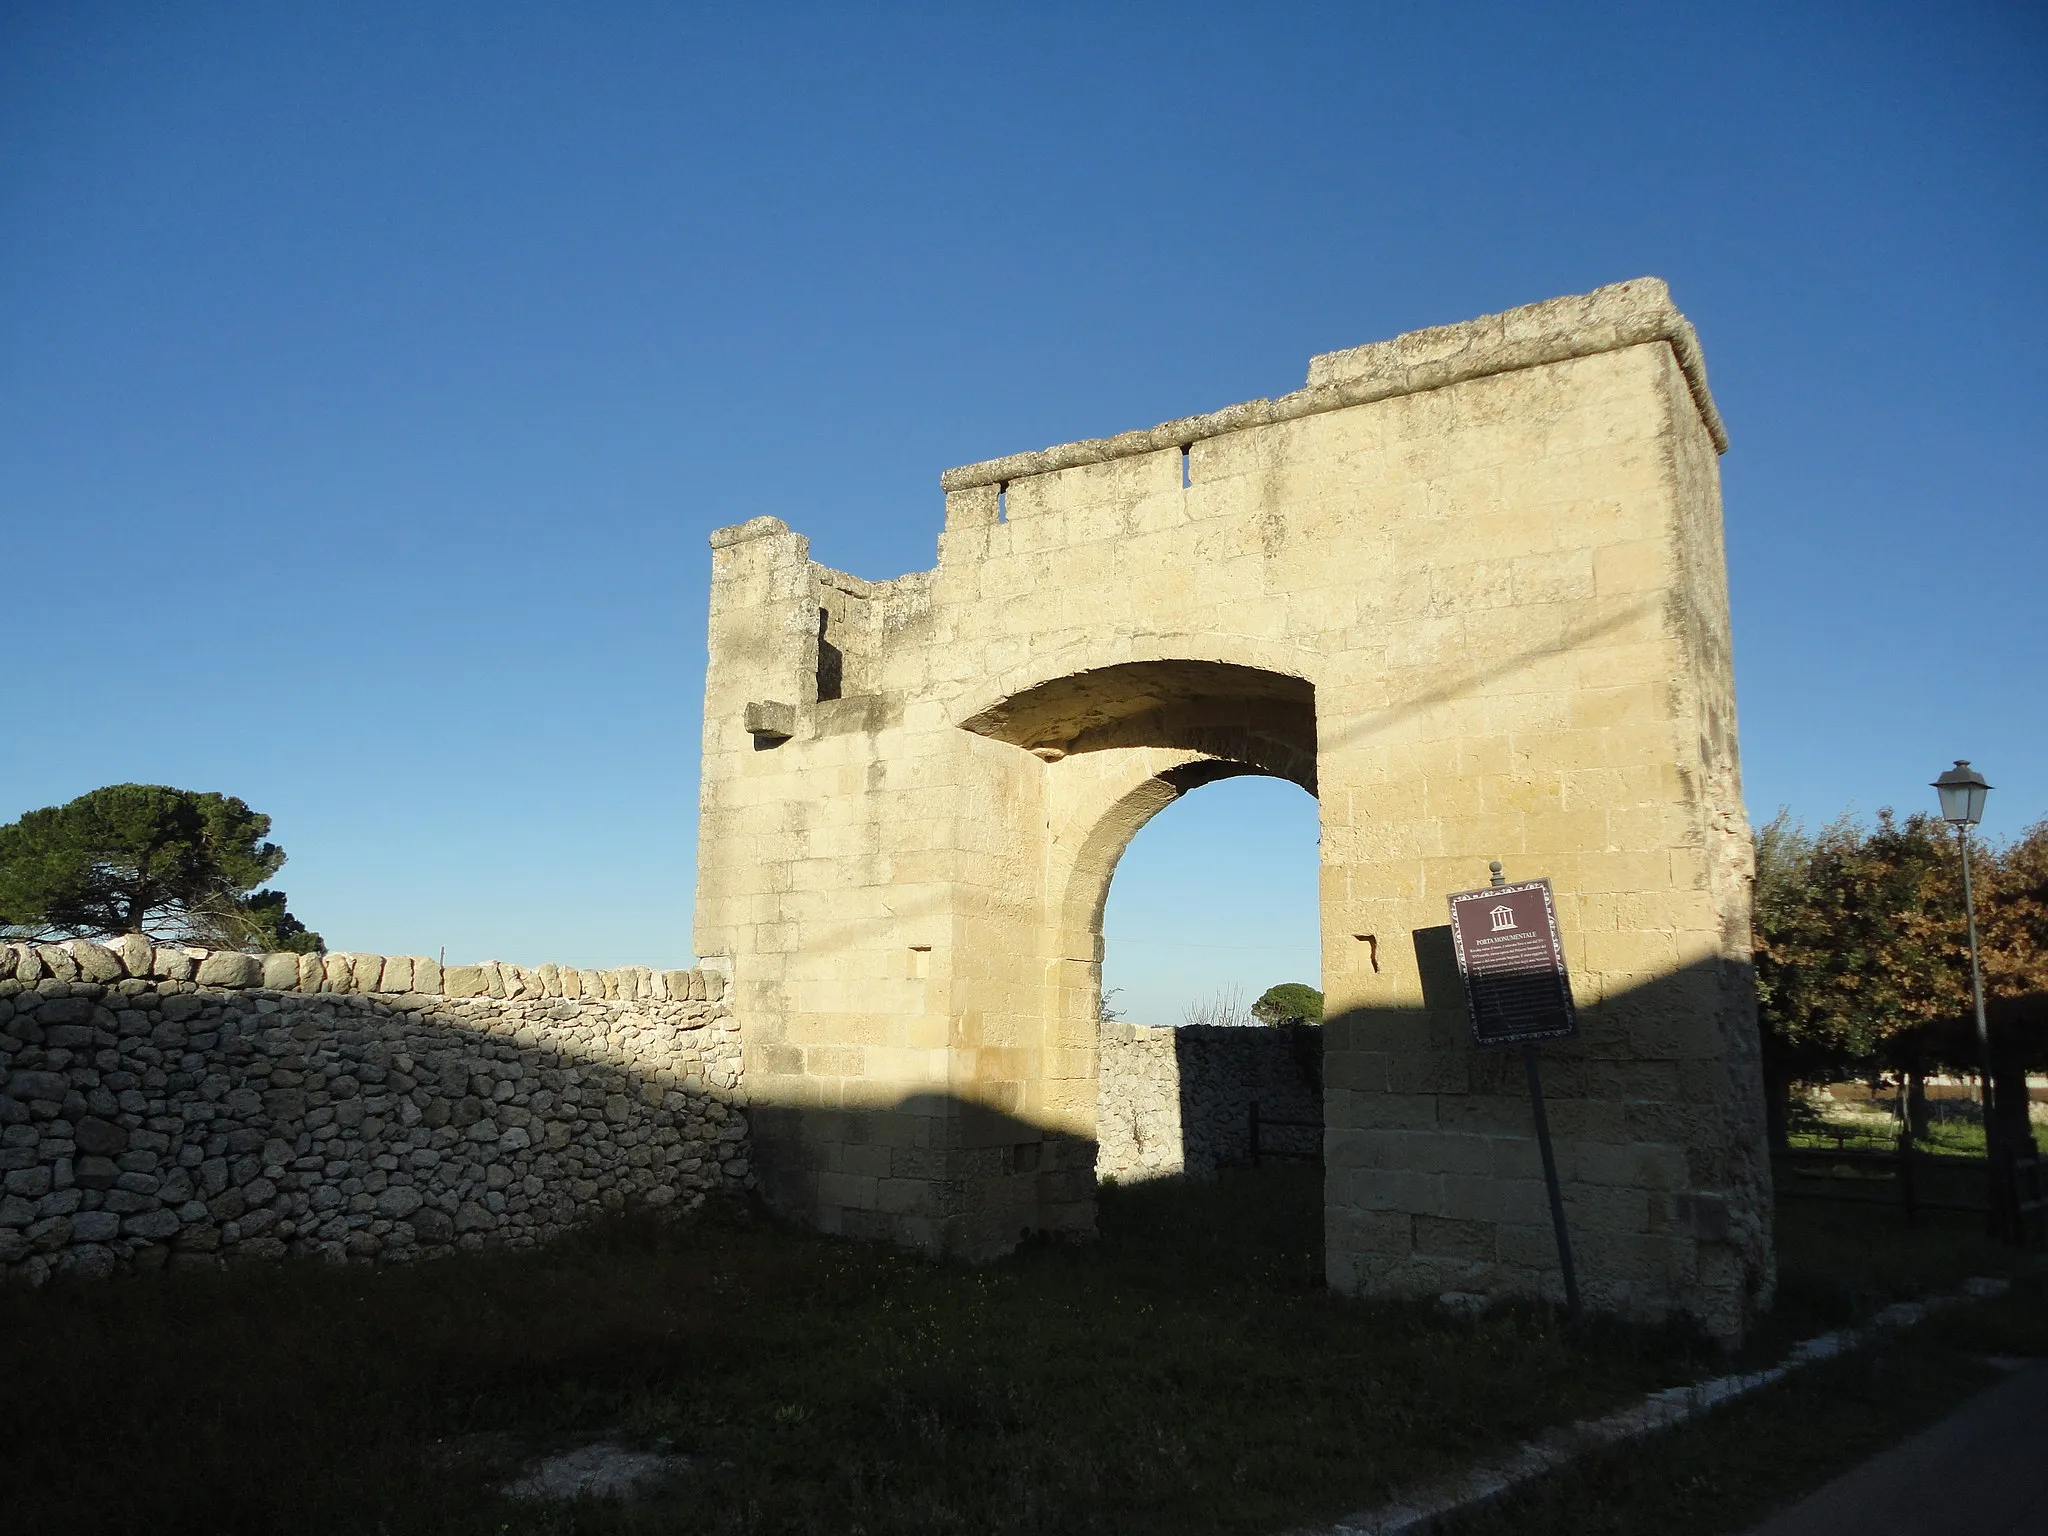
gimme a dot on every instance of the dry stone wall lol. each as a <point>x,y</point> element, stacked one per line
<point>1177,1100</point>
<point>160,1104</point>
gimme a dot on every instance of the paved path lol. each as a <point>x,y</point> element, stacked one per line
<point>1982,1470</point>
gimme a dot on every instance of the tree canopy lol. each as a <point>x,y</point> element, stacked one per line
<point>172,864</point>
<point>1289,1000</point>
<point>1862,951</point>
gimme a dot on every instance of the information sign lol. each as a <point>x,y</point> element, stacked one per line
<point>1512,964</point>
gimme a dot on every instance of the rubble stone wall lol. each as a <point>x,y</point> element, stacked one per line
<point>1173,1101</point>
<point>161,1104</point>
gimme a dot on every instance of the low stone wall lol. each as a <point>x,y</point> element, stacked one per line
<point>163,1104</point>
<point>1178,1100</point>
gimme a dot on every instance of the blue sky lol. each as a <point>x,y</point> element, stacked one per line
<point>370,375</point>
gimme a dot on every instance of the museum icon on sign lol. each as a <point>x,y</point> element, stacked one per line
<point>1503,918</point>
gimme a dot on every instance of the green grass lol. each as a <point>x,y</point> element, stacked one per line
<point>1185,1374</point>
<point>1874,1125</point>
<point>1729,1470</point>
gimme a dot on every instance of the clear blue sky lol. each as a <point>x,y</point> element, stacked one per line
<point>370,375</point>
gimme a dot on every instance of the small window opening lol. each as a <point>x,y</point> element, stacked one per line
<point>920,961</point>
<point>831,662</point>
<point>1003,502</point>
<point>1186,478</point>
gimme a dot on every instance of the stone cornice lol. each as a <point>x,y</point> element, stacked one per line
<point>1607,319</point>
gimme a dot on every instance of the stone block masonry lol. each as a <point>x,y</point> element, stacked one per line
<point>163,1104</point>
<point>1466,587</point>
<point>1173,1100</point>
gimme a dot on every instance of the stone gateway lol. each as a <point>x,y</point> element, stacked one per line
<point>1467,588</point>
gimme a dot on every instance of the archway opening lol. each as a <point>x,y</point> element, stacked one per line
<point>1209,1059</point>
<point>1214,901</point>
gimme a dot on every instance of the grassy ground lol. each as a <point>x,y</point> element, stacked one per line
<point>1952,1132</point>
<point>1728,1471</point>
<point>1186,1374</point>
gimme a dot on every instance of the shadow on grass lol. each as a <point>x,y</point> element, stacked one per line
<point>1186,1373</point>
<point>1729,1471</point>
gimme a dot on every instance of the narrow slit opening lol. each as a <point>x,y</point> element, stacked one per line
<point>1003,502</point>
<point>1186,478</point>
<point>831,662</point>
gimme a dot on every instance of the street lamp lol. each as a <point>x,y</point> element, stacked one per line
<point>1962,790</point>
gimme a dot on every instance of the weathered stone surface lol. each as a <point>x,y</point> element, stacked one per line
<point>1441,589</point>
<point>38,1087</point>
<point>354,1078</point>
<point>64,1010</point>
<point>100,1136</point>
<point>171,963</point>
<point>365,973</point>
<point>281,972</point>
<point>95,1227</point>
<point>58,961</point>
<point>154,1226</point>
<point>136,953</point>
<point>96,962</point>
<point>464,981</point>
<point>225,968</point>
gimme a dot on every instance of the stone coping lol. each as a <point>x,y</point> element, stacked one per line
<point>133,955</point>
<point>1556,330</point>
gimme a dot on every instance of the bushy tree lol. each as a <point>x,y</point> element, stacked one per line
<point>175,865</point>
<point>1861,946</point>
<point>2012,916</point>
<point>1289,1000</point>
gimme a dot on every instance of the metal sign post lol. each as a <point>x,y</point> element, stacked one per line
<point>1517,993</point>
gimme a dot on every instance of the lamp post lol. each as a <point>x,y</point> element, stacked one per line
<point>1962,790</point>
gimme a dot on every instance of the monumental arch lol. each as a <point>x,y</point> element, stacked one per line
<point>1467,588</point>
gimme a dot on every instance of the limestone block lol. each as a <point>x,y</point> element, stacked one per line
<point>9,954</point>
<point>96,963</point>
<point>397,976</point>
<point>770,721</point>
<point>464,981</point>
<point>366,973</point>
<point>571,980</point>
<point>426,975</point>
<point>335,971</point>
<point>281,972</point>
<point>312,973</point>
<point>229,968</point>
<point>135,951</point>
<point>677,985</point>
<point>58,961</point>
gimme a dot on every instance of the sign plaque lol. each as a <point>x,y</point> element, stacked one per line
<point>1512,964</point>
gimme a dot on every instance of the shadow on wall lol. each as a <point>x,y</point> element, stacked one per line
<point>1173,1101</point>
<point>933,1171</point>
<point>146,1119</point>
<point>1433,1178</point>
<point>1231,1077</point>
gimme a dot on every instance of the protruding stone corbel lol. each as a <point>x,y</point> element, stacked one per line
<point>770,723</point>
